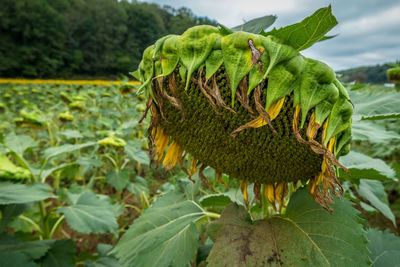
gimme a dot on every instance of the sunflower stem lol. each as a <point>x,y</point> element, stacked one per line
<point>212,215</point>
<point>264,202</point>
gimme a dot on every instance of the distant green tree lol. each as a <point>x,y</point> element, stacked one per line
<point>32,38</point>
<point>65,38</point>
<point>366,74</point>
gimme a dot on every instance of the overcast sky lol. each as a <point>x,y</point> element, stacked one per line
<point>369,30</point>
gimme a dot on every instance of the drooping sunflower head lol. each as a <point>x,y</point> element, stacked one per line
<point>248,106</point>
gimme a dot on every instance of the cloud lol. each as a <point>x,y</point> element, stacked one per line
<point>369,30</point>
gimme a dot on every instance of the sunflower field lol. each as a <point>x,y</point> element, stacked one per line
<point>219,156</point>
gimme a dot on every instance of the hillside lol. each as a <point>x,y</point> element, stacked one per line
<point>366,74</point>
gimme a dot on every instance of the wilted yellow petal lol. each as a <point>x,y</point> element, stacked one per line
<point>273,112</point>
<point>325,127</point>
<point>243,187</point>
<point>311,126</point>
<point>331,143</point>
<point>296,116</point>
<point>269,193</point>
<point>193,167</point>
<point>278,193</point>
<point>275,108</point>
<point>172,156</point>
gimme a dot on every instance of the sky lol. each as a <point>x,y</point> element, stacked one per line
<point>369,30</point>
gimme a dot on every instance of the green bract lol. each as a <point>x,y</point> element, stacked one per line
<point>9,171</point>
<point>211,91</point>
<point>112,141</point>
<point>34,117</point>
<point>64,116</point>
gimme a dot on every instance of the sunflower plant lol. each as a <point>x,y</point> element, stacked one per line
<point>393,74</point>
<point>261,126</point>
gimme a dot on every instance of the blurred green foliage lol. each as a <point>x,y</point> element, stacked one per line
<point>82,38</point>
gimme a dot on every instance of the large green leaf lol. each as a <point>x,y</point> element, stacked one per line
<point>56,151</point>
<point>16,260</point>
<point>165,235</point>
<point>256,25</point>
<point>61,254</point>
<point>306,235</point>
<point>48,171</point>
<point>71,134</point>
<point>141,157</point>
<point>375,193</point>
<point>372,132</point>
<point>384,247</point>
<point>49,253</point>
<point>10,211</point>
<point>118,179</point>
<point>104,259</point>
<point>307,32</point>
<point>375,106</point>
<point>20,193</point>
<point>137,154</point>
<point>138,186</point>
<point>90,213</point>
<point>19,143</point>
<point>362,166</point>
<point>33,249</point>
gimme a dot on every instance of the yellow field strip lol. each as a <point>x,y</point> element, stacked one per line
<point>76,82</point>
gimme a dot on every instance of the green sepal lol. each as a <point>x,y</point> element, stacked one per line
<point>135,74</point>
<point>146,69</point>
<point>316,86</point>
<point>284,78</point>
<point>237,57</point>
<point>202,65</point>
<point>10,171</point>
<point>217,44</point>
<point>277,52</point>
<point>158,46</point>
<point>182,72</point>
<point>279,84</point>
<point>323,109</point>
<point>170,55</point>
<point>255,78</point>
<point>150,92</point>
<point>213,62</point>
<point>340,118</point>
<point>223,30</point>
<point>143,87</point>
<point>341,88</point>
<point>296,96</point>
<point>157,68</point>
<point>195,44</point>
<point>344,151</point>
<point>342,141</point>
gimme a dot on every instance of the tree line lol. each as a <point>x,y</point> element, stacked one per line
<point>83,38</point>
<point>366,74</point>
